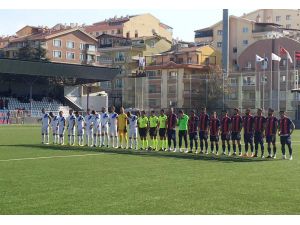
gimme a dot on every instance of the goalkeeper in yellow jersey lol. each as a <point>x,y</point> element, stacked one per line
<point>122,128</point>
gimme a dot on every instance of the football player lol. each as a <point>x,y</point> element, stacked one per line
<point>46,120</point>
<point>113,127</point>
<point>80,127</point>
<point>71,127</point>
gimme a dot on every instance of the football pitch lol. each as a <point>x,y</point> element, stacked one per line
<point>62,180</point>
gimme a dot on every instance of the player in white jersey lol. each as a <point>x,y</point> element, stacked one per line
<point>80,127</point>
<point>88,128</point>
<point>46,120</point>
<point>61,128</point>
<point>96,128</point>
<point>133,130</point>
<point>71,127</point>
<point>113,127</point>
<point>54,126</point>
<point>104,127</point>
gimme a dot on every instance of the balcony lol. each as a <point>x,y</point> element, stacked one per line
<point>204,34</point>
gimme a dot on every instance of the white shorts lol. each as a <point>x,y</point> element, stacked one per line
<point>104,129</point>
<point>97,130</point>
<point>45,130</point>
<point>133,133</point>
<point>55,130</point>
<point>88,131</point>
<point>71,131</point>
<point>80,131</point>
<point>61,130</point>
<point>113,131</point>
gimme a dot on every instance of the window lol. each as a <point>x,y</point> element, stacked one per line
<point>288,17</point>
<point>282,78</point>
<point>245,42</point>
<point>70,44</point>
<point>219,32</point>
<point>189,60</point>
<point>233,95</point>
<point>90,58</point>
<point>245,29</point>
<point>153,103</point>
<point>91,48</point>
<point>82,46</point>
<point>249,81</point>
<point>151,74</point>
<point>278,18</point>
<point>288,26</point>
<point>152,88</point>
<point>136,34</point>
<point>219,44</point>
<point>172,74</point>
<point>172,89</point>
<point>82,57</point>
<point>234,49</point>
<point>233,81</point>
<point>118,83</point>
<point>120,56</point>
<point>128,35</point>
<point>113,32</point>
<point>56,54</point>
<point>118,31</point>
<point>57,43</point>
<point>249,65</point>
<point>70,55</point>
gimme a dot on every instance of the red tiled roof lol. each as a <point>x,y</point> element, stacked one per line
<point>46,35</point>
<point>101,27</point>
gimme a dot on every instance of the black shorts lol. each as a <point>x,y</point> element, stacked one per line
<point>171,134</point>
<point>203,135</point>
<point>285,140</point>
<point>153,131</point>
<point>162,132</point>
<point>214,138</point>
<point>236,136</point>
<point>225,137</point>
<point>258,137</point>
<point>271,138</point>
<point>248,138</point>
<point>143,132</point>
<point>193,136</point>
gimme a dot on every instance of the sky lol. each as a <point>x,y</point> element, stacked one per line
<point>184,22</point>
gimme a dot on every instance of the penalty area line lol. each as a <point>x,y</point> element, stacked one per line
<point>50,157</point>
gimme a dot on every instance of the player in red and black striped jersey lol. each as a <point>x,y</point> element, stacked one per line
<point>225,131</point>
<point>248,122</point>
<point>270,131</point>
<point>193,134</point>
<point>214,130</point>
<point>259,128</point>
<point>285,129</point>
<point>236,127</point>
<point>203,130</point>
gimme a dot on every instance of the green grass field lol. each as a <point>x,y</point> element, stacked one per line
<point>80,180</point>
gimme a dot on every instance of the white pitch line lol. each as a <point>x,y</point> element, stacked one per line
<point>49,157</point>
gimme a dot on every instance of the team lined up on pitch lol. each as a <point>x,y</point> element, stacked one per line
<point>113,130</point>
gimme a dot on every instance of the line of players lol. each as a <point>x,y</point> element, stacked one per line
<point>110,130</point>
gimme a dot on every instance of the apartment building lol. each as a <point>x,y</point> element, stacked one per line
<point>249,28</point>
<point>64,45</point>
<point>126,53</point>
<point>287,18</point>
<point>175,78</point>
<point>265,85</point>
<point>134,26</point>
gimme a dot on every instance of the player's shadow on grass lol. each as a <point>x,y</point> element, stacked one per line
<point>208,157</point>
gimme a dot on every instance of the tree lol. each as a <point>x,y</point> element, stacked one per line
<point>29,52</point>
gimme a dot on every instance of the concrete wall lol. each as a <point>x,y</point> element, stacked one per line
<point>95,102</point>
